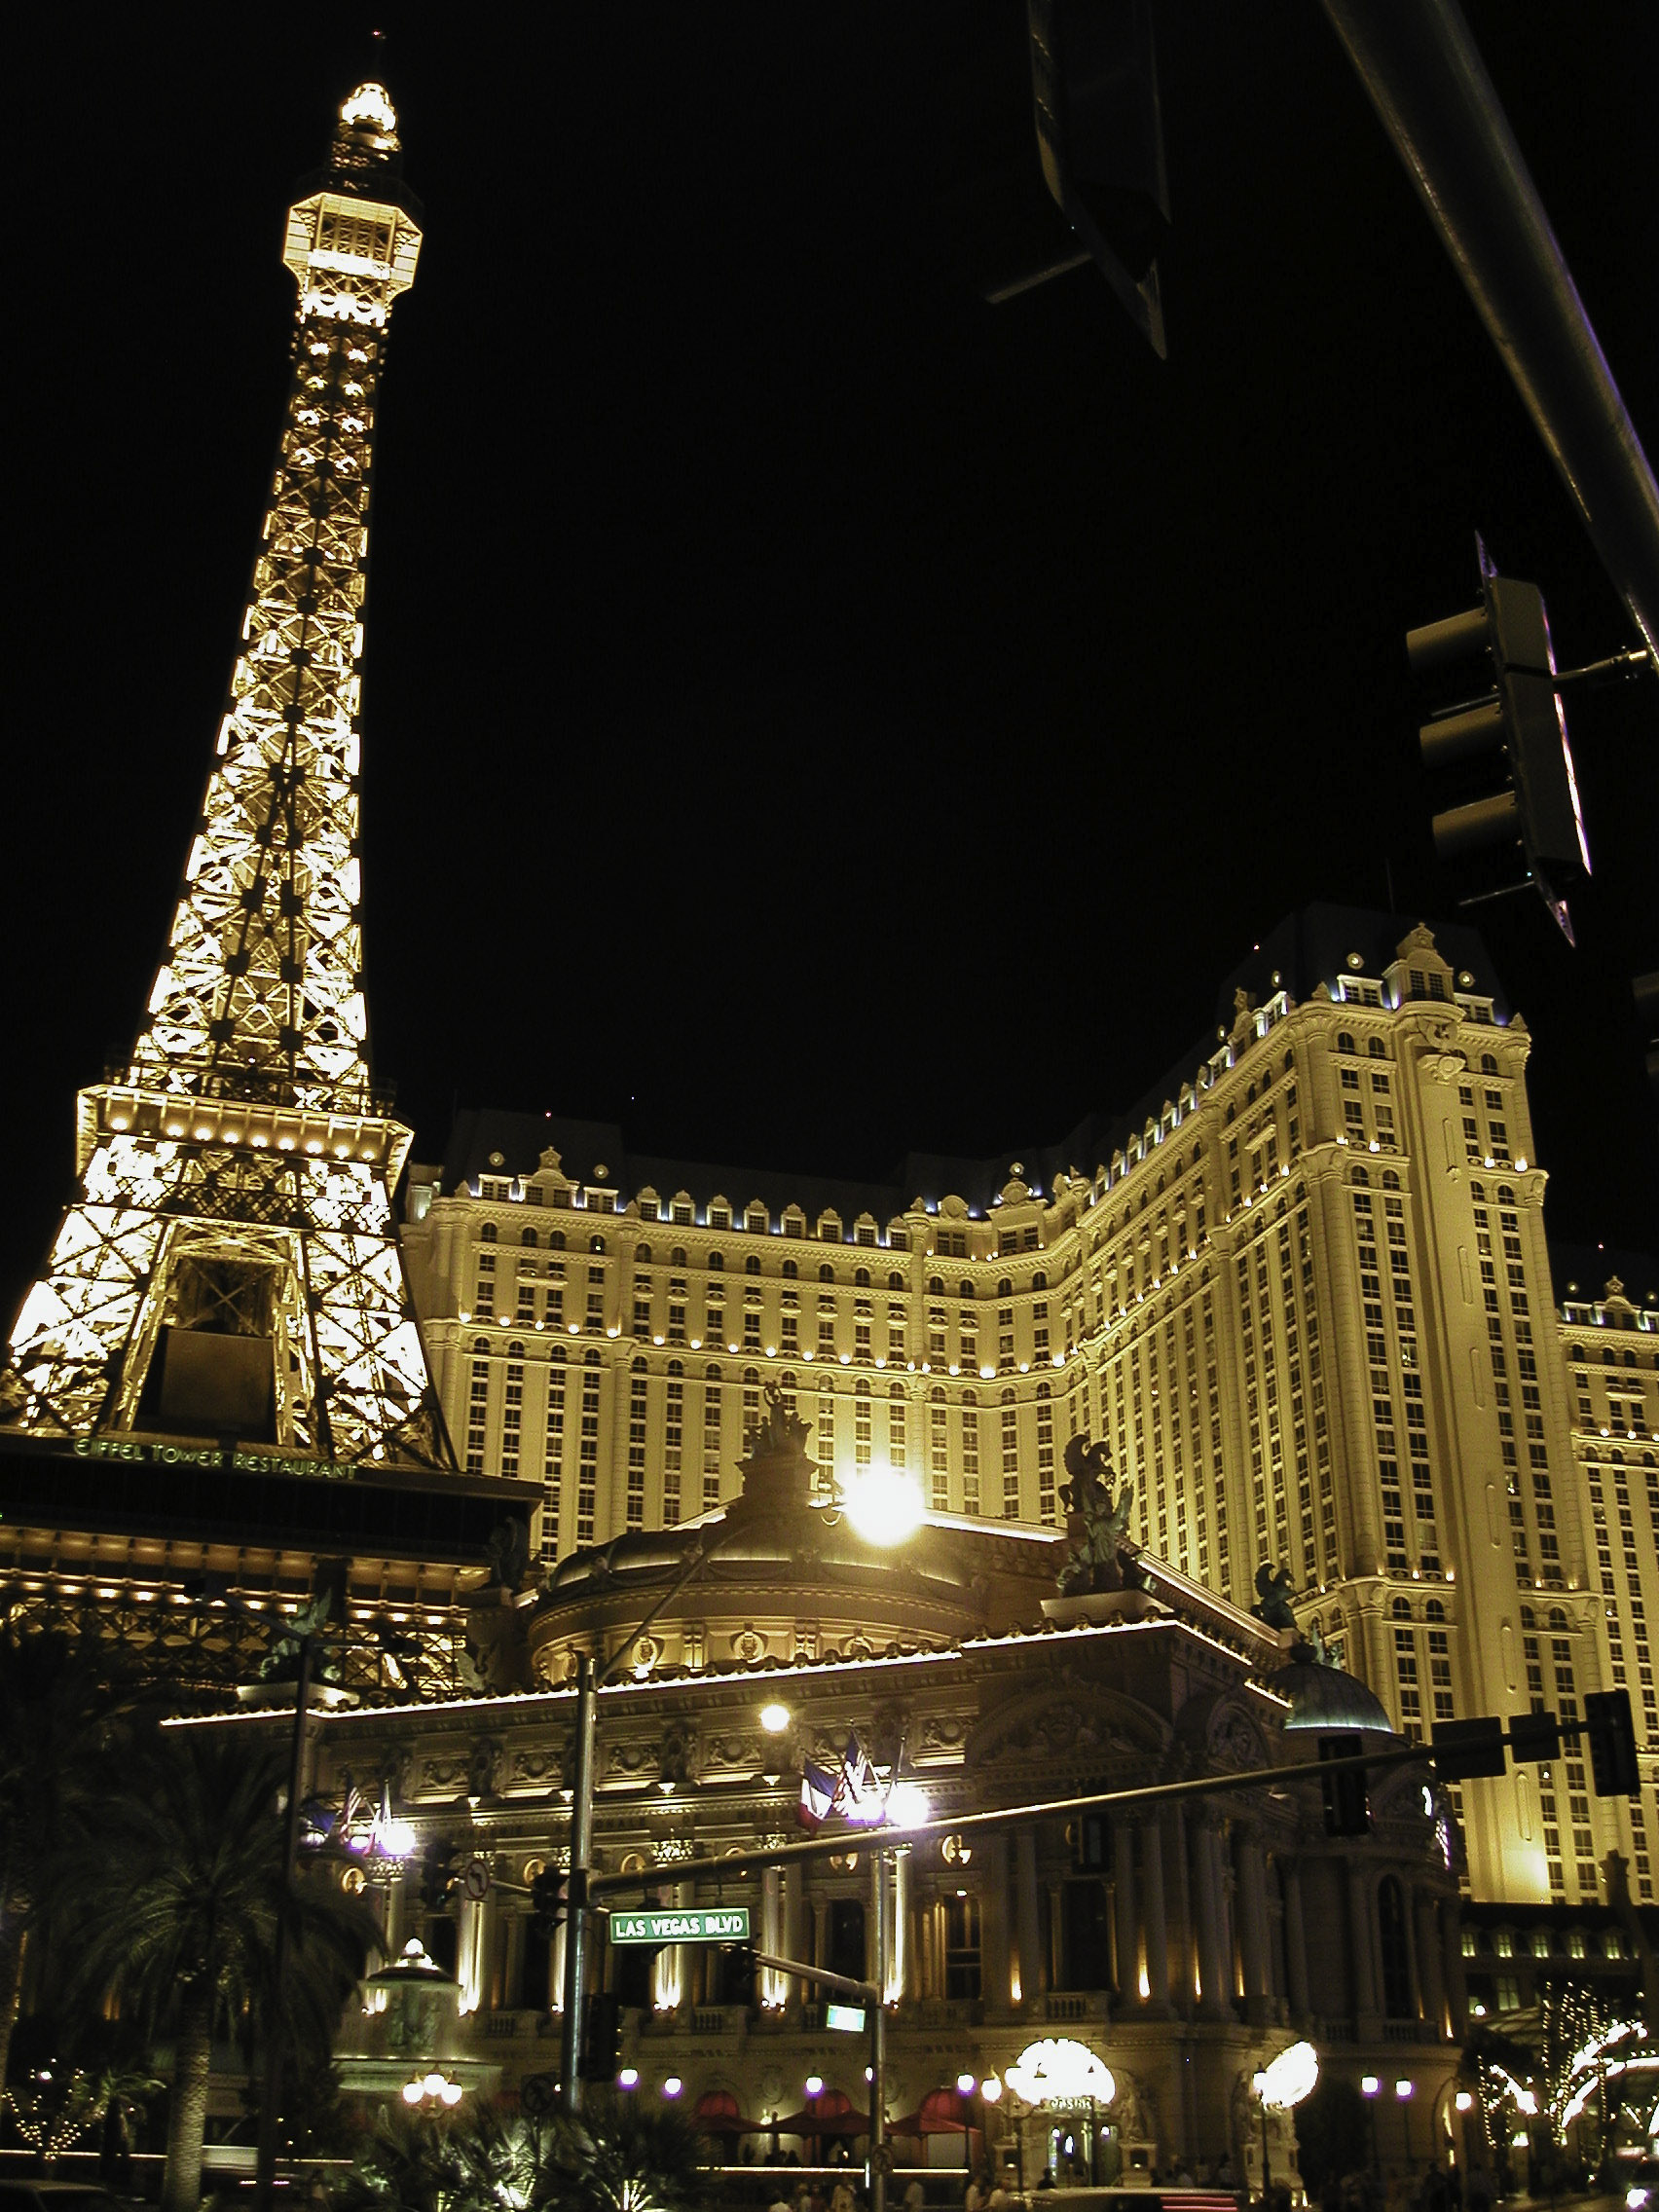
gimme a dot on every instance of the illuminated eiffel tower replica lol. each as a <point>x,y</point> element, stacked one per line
<point>226,1289</point>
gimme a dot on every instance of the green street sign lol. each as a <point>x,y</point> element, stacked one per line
<point>726,1924</point>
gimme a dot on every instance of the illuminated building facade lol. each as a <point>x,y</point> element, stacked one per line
<point>1301,1292</point>
<point>1181,1948</point>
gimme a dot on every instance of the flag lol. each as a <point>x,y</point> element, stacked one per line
<point>859,1792</point>
<point>817,1795</point>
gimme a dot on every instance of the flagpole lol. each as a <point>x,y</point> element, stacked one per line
<point>878,2154</point>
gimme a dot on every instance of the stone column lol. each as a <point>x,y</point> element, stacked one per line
<point>556,1971</point>
<point>1126,1914</point>
<point>1456,1989</point>
<point>994,1963</point>
<point>795,1926</point>
<point>1294,1944</point>
<point>901,1955</point>
<point>1028,1918</point>
<point>774,1986</point>
<point>1253,1926</point>
<point>1152,1918</point>
<point>668,1968</point>
<point>1178,1885</point>
<point>1367,2019</point>
<point>394,1919</point>
<point>1215,2003</point>
<point>1431,1979</point>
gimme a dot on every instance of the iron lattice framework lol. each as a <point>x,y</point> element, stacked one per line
<point>236,1176</point>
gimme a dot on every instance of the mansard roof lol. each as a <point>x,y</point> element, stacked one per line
<point>1319,944</point>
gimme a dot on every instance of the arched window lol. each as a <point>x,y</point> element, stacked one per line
<point>1489,1064</point>
<point>752,1266</point>
<point>489,1233</point>
<point>1362,1177</point>
<point>965,1290</point>
<point>641,1254</point>
<point>675,1366</point>
<point>1377,1048</point>
<point>791,1271</point>
<point>716,1262</point>
<point>935,1286</point>
<point>1345,1040</point>
<point>596,1243</point>
<point>528,1238</point>
<point>1004,1287</point>
<point>1400,1610</point>
<point>1435,1610</point>
<point>515,1351</point>
<point>861,1278</point>
<point>711,1374</point>
<point>559,1354</point>
<point>1396,1950</point>
<point>637,1366</point>
<point>555,1241</point>
<point>895,1280</point>
<point>1391,1181</point>
<point>1038,1280</point>
<point>480,1344</point>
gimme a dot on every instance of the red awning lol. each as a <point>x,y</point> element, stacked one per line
<point>716,2113</point>
<point>941,2112</point>
<point>829,2113</point>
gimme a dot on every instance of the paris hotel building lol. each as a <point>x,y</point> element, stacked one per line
<point>1302,1291</point>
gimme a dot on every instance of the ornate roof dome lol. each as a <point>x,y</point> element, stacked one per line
<point>1328,1699</point>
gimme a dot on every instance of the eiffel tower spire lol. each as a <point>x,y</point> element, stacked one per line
<point>227,1263</point>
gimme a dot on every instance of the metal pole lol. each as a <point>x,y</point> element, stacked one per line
<point>271,2089</point>
<point>1266,2166</point>
<point>879,2046</point>
<point>581,1861</point>
<point>1424,76</point>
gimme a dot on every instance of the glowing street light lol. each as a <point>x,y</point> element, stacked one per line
<point>774,1717</point>
<point>884,1505</point>
<point>1281,2084</point>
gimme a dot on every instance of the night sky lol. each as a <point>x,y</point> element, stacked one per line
<point>809,714</point>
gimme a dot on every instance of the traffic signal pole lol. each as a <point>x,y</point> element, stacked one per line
<point>1425,78</point>
<point>581,1862</point>
<point>591,1679</point>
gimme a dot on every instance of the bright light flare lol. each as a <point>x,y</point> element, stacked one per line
<point>908,1806</point>
<point>1290,2077</point>
<point>774,1718</point>
<point>884,1506</point>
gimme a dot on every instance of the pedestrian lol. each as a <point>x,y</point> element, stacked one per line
<point>974,2196</point>
<point>913,2194</point>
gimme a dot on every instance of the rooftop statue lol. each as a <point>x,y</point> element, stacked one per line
<point>1273,1588</point>
<point>1101,1549</point>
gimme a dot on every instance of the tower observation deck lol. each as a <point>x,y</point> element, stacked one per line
<point>227,1267</point>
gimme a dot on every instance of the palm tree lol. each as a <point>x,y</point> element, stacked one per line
<point>62,1699</point>
<point>173,1902</point>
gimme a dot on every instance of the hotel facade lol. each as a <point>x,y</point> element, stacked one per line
<point>1301,1292</point>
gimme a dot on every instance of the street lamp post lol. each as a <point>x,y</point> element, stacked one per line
<point>1369,2088</point>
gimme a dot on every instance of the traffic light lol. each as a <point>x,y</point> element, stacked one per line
<point>1348,1808</point>
<point>440,1874</point>
<point>1611,1731</point>
<point>1100,140</point>
<point>1464,1751</point>
<point>1507,637</point>
<point>601,2031</point>
<point>549,1901</point>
